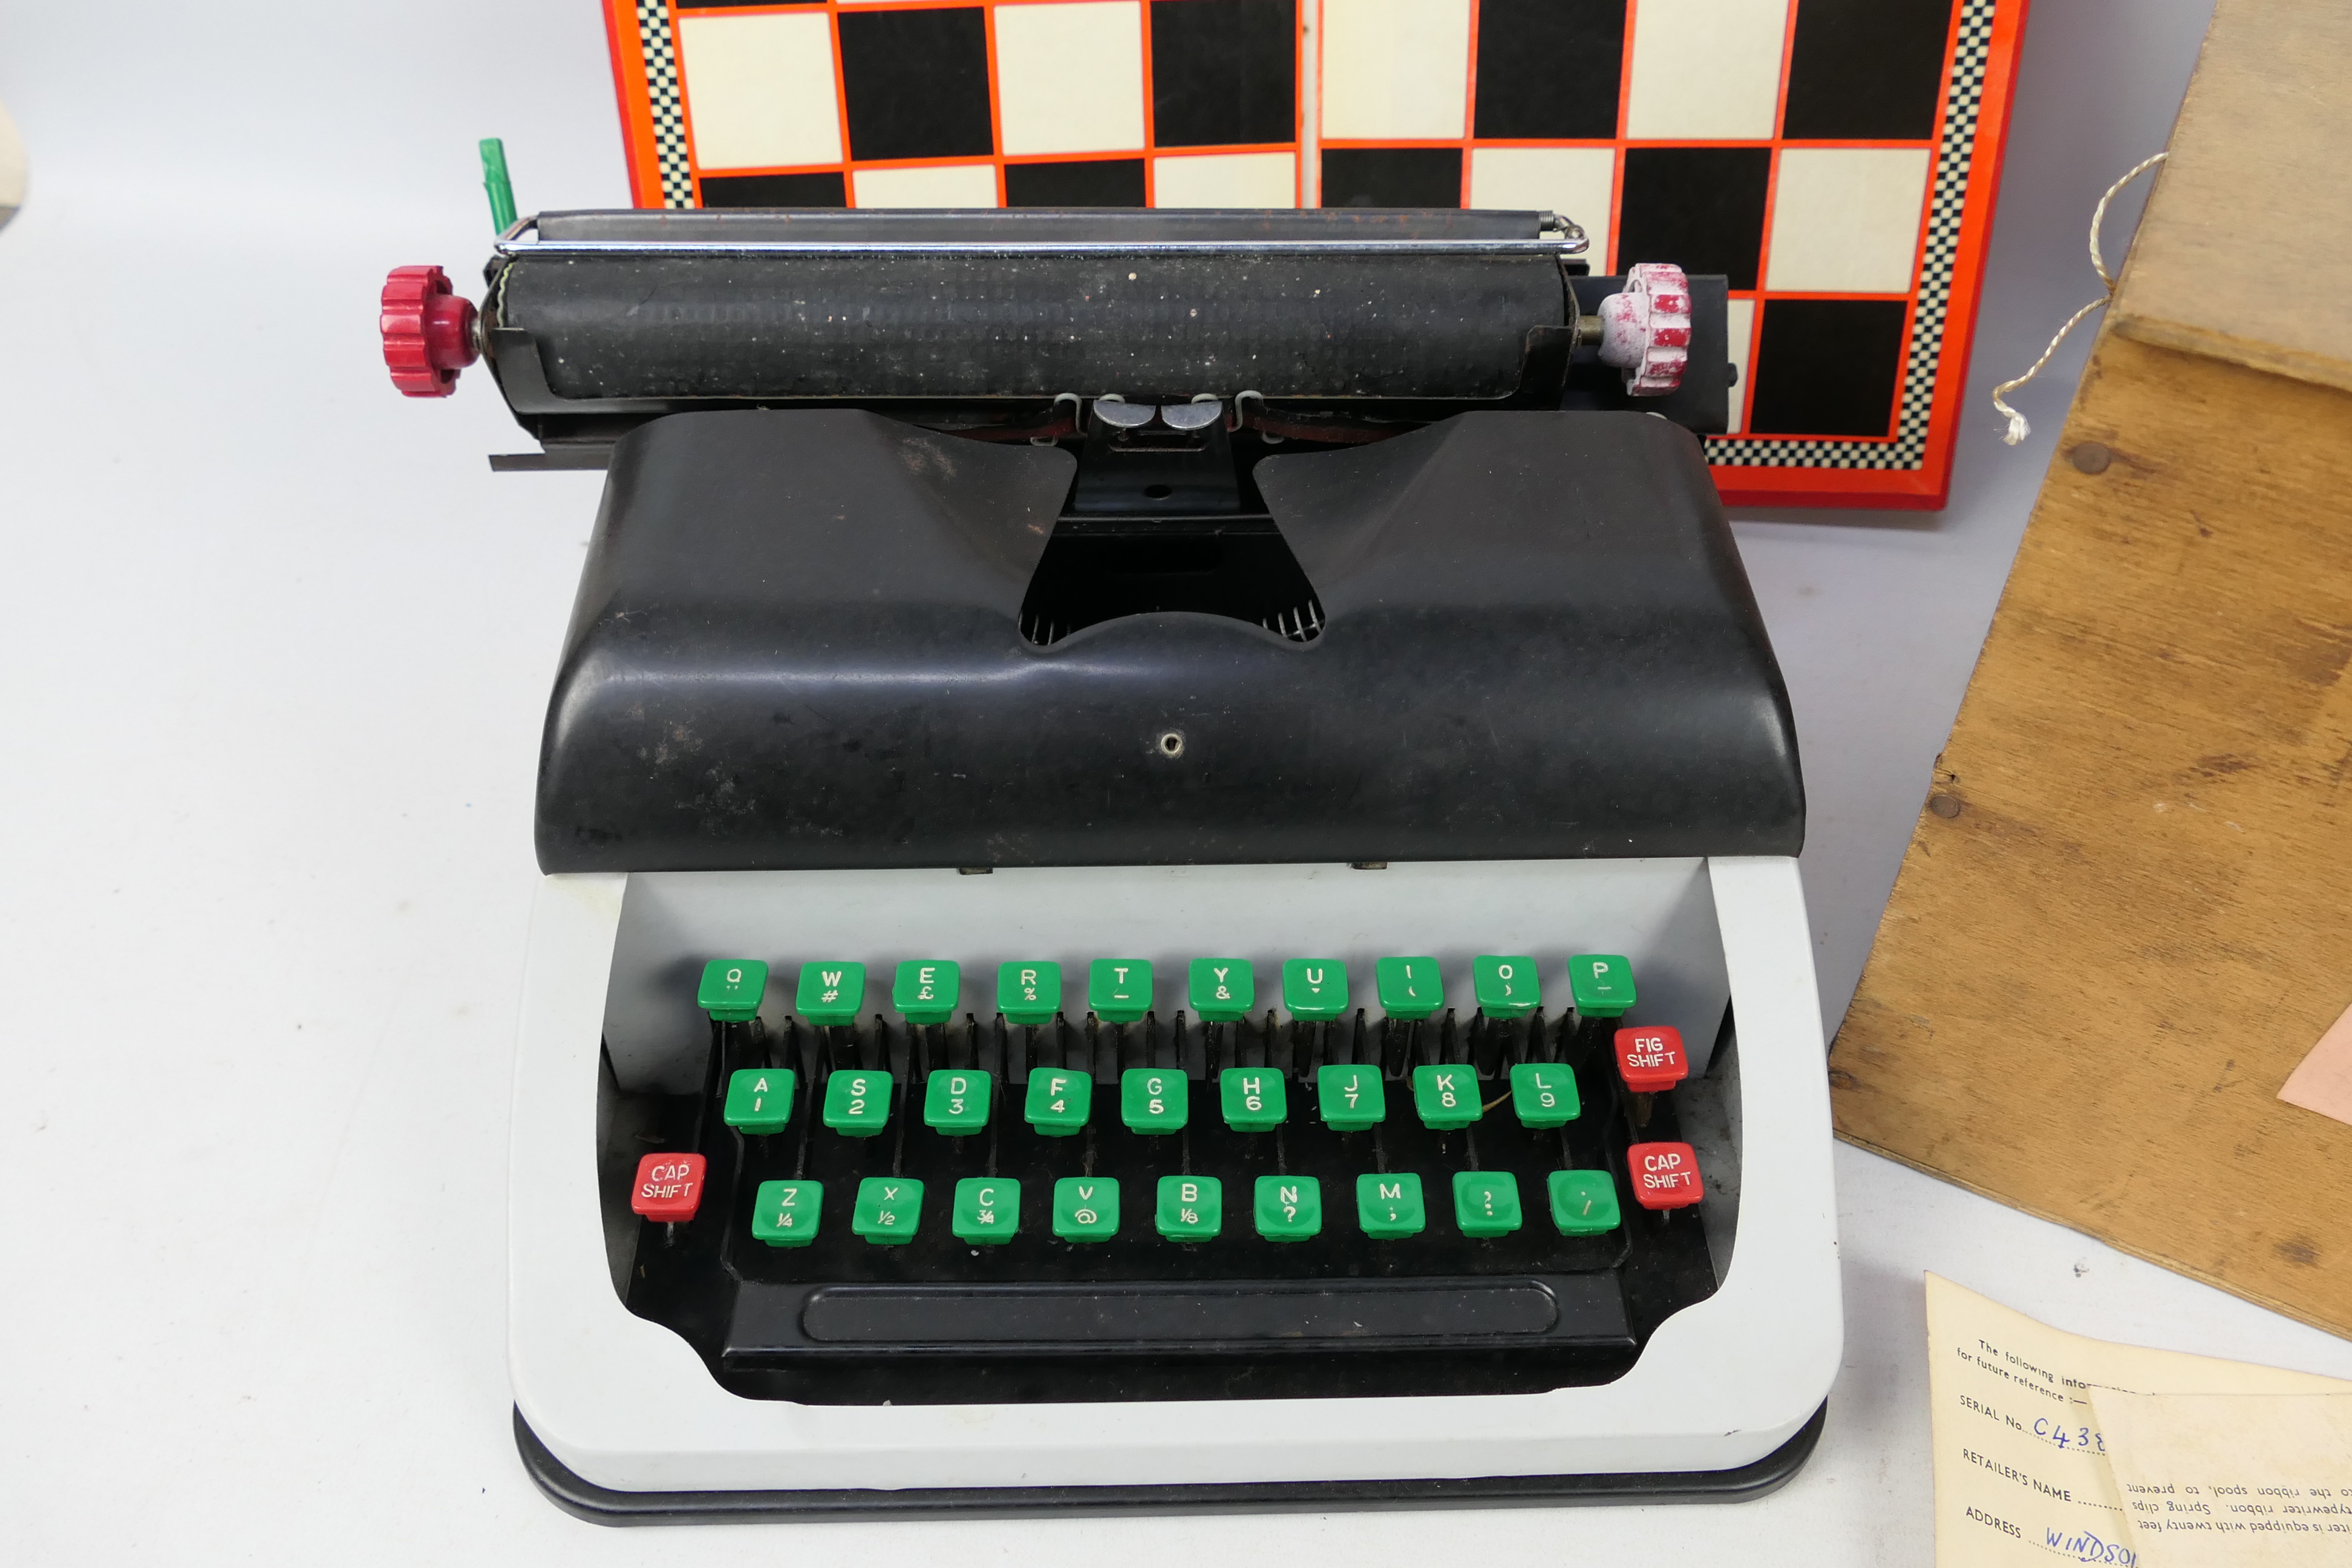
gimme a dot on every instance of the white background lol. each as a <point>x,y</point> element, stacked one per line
<point>273,652</point>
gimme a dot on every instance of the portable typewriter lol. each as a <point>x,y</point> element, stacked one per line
<point>1169,845</point>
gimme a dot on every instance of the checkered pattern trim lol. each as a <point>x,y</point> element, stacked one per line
<point>1954,165</point>
<point>668,107</point>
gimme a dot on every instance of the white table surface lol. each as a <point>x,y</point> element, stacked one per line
<point>274,657</point>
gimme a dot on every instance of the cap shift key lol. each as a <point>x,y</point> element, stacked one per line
<point>1666,1175</point>
<point>669,1187</point>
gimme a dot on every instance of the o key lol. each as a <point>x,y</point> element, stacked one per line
<point>670,1186</point>
<point>1666,1175</point>
<point>1650,1059</point>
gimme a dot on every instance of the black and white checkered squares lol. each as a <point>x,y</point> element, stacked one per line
<point>1823,155</point>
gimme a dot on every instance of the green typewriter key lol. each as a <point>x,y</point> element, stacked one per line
<point>1154,1099</point>
<point>887,1209</point>
<point>1254,1100</point>
<point>1288,1208</point>
<point>956,1100</point>
<point>1445,1098</point>
<point>1411,989</point>
<point>1601,983</point>
<point>785,1214</point>
<point>1192,1208</point>
<point>1390,1206</point>
<point>1221,990</point>
<point>987,1210</point>
<point>1314,990</point>
<point>1085,1208</point>
<point>1058,1101</point>
<point>1350,1097</point>
<point>830,992</point>
<point>857,1103</point>
<point>1583,1202</point>
<point>1486,1202</point>
<point>1118,990</point>
<point>1029,990</point>
<point>731,989</point>
<point>1544,1094</point>
<point>1508,986</point>
<point>924,990</point>
<point>760,1099</point>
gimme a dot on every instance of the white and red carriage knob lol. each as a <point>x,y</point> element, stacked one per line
<point>1646,331</point>
<point>428,332</point>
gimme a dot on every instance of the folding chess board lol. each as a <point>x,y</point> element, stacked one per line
<point>1836,159</point>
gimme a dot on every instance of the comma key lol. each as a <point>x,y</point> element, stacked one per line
<point>1666,1175</point>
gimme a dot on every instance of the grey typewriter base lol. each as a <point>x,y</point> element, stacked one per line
<point>604,1505</point>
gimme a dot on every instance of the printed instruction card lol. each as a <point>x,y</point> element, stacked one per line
<point>2049,1445</point>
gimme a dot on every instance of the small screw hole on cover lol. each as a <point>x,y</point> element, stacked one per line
<point>1945,806</point>
<point>2091,458</point>
<point>1172,744</point>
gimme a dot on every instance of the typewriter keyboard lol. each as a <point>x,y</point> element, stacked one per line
<point>1041,1181</point>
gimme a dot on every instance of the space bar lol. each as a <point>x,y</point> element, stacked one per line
<point>851,1314</point>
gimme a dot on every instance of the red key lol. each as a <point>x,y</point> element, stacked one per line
<point>670,1186</point>
<point>1652,1059</point>
<point>1666,1175</point>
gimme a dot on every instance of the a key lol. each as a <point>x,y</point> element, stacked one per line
<point>1029,990</point>
<point>1666,1175</point>
<point>830,992</point>
<point>857,1102</point>
<point>731,989</point>
<point>987,1210</point>
<point>924,990</point>
<point>1583,1202</point>
<point>956,1100</point>
<point>669,1187</point>
<point>1288,1208</point>
<point>1314,990</point>
<point>1254,1100</point>
<point>1650,1059</point>
<point>785,1214</point>
<point>1389,1206</point>
<point>887,1210</point>
<point>1409,988</point>
<point>1445,1098</point>
<point>1118,990</point>
<point>1485,1203</point>
<point>1192,1208</point>
<point>1058,1100</point>
<point>1543,1094</point>
<point>760,1099</point>
<point>1601,983</point>
<point>1221,990</point>
<point>1085,1208</point>
<point>1350,1099</point>
<point>1154,1099</point>
<point>1507,984</point>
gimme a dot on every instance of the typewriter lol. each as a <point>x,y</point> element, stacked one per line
<point>1169,884</point>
